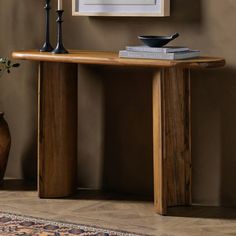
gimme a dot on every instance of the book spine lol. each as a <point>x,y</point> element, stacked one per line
<point>145,55</point>
<point>189,55</point>
<point>149,49</point>
<point>145,49</point>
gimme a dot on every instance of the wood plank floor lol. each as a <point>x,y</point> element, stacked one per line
<point>131,215</point>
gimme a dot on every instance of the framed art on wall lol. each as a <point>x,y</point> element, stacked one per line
<point>147,8</point>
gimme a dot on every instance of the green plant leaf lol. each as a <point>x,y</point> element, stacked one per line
<point>6,65</point>
<point>16,65</point>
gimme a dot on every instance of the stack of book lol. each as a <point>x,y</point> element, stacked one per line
<point>164,53</point>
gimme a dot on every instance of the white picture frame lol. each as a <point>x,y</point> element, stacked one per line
<point>143,8</point>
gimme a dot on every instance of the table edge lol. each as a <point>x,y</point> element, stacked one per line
<point>111,58</point>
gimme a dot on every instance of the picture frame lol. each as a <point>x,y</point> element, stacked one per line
<point>136,8</point>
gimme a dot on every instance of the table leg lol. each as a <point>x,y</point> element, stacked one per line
<point>57,129</point>
<point>171,138</point>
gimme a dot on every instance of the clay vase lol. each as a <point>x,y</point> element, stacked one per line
<point>5,144</point>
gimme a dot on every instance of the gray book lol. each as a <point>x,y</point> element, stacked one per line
<point>144,48</point>
<point>160,55</point>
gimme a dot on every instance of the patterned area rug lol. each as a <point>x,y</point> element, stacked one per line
<point>18,225</point>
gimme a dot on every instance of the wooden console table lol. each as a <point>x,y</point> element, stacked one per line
<point>57,123</point>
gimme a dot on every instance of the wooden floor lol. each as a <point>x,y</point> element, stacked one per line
<point>131,215</point>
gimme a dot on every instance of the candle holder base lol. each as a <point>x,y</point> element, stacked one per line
<point>47,47</point>
<point>60,50</point>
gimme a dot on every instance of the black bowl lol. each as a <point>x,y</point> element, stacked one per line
<point>157,41</point>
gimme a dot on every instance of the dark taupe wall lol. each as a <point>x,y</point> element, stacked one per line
<point>205,25</point>
<point>21,28</point>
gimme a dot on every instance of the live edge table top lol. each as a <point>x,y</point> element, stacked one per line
<point>112,58</point>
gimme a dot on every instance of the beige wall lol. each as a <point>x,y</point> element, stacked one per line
<point>205,25</point>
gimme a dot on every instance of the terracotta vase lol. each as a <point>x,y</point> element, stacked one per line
<point>5,144</point>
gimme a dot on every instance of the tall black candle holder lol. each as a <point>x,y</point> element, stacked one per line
<point>47,47</point>
<point>59,48</point>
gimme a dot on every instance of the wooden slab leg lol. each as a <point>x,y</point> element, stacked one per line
<point>171,138</point>
<point>57,129</point>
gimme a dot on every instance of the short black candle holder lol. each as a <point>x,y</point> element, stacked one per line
<point>47,47</point>
<point>59,48</point>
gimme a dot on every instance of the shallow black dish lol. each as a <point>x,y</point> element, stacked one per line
<point>157,41</point>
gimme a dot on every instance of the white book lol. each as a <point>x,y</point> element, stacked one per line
<point>119,2</point>
<point>144,48</point>
<point>160,55</point>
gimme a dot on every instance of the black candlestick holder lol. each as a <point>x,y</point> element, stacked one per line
<point>59,48</point>
<point>47,47</point>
